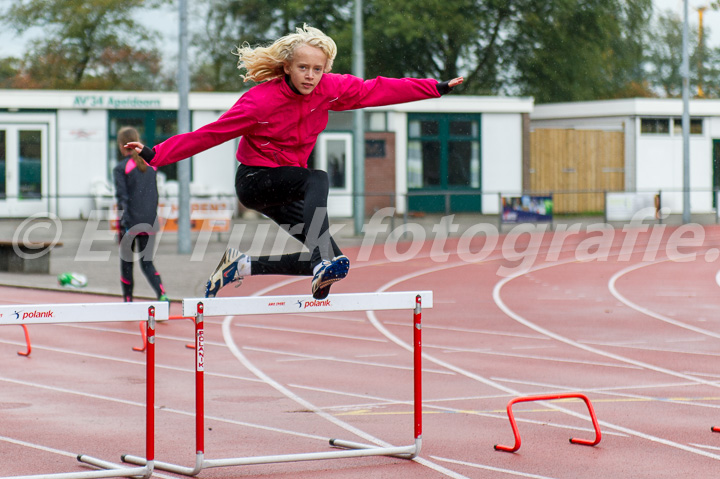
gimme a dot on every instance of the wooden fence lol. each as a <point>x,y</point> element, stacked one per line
<point>577,166</point>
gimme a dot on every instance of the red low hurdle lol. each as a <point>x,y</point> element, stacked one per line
<point>100,312</point>
<point>550,397</point>
<point>288,305</point>
<point>27,342</point>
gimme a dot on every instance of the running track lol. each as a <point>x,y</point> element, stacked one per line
<point>637,332</point>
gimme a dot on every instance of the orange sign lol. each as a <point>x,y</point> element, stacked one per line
<point>205,215</point>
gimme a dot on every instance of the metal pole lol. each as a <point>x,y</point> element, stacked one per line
<point>359,125</point>
<point>183,167</point>
<point>686,118</point>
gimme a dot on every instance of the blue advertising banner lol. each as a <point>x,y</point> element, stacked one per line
<point>527,209</point>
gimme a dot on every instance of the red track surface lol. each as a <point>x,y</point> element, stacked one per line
<point>640,338</point>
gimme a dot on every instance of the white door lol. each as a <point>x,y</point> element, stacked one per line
<point>334,155</point>
<point>23,169</point>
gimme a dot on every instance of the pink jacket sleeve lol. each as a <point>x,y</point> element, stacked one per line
<point>354,92</point>
<point>233,123</point>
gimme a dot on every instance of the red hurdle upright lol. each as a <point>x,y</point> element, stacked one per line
<point>242,306</point>
<point>549,397</point>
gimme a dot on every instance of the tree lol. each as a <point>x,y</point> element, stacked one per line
<point>571,50</point>
<point>230,23</point>
<point>432,38</point>
<point>87,44</point>
<point>9,69</point>
<point>664,59</point>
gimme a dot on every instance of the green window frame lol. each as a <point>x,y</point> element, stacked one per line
<point>444,155</point>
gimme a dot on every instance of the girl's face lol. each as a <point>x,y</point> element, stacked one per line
<point>306,68</point>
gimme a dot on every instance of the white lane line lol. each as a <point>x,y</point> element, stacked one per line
<point>130,361</point>
<point>609,388</point>
<point>704,446</point>
<point>496,295</point>
<point>163,409</point>
<point>622,359</point>
<point>710,375</point>
<point>473,331</point>
<point>233,347</point>
<point>648,312</point>
<point>685,400</point>
<point>526,356</point>
<point>340,360</point>
<point>59,452</point>
<point>311,332</point>
<point>501,304</point>
<point>649,348</point>
<point>491,468</point>
<point>158,335</point>
<point>501,414</point>
<point>311,407</point>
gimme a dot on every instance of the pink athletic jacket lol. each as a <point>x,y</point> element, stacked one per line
<point>280,127</point>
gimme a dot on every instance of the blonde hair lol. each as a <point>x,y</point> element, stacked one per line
<point>125,135</point>
<point>266,63</point>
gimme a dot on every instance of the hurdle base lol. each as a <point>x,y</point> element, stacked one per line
<point>166,466</point>
<point>402,452</point>
<point>350,450</point>
<point>110,469</point>
<point>410,451</point>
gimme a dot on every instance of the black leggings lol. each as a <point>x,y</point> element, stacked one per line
<point>296,199</point>
<point>144,244</point>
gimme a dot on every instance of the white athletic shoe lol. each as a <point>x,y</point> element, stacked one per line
<point>225,273</point>
<point>329,272</point>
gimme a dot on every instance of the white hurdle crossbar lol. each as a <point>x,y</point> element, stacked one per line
<point>93,313</point>
<point>201,307</point>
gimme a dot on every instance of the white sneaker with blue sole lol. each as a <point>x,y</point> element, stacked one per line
<point>329,273</point>
<point>225,273</point>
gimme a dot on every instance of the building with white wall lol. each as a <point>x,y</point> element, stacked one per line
<point>653,143</point>
<point>58,150</point>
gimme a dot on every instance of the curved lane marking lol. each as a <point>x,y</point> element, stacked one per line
<point>227,334</point>
<point>648,312</point>
<point>498,300</point>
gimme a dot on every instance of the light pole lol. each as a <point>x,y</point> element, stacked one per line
<point>685,71</point>
<point>359,125</point>
<point>183,122</point>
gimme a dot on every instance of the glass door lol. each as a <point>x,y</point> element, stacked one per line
<point>716,171</point>
<point>333,153</point>
<point>444,158</point>
<point>23,169</point>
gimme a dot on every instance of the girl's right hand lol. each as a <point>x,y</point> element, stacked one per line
<point>136,145</point>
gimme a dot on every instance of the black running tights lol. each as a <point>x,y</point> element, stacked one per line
<point>296,199</point>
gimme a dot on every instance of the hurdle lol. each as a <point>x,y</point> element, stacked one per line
<point>550,397</point>
<point>92,313</point>
<point>265,305</point>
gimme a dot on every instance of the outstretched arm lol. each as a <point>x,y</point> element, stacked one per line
<point>352,92</point>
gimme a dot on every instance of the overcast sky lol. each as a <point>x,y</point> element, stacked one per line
<point>11,45</point>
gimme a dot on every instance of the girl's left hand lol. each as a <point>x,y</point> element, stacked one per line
<point>455,82</point>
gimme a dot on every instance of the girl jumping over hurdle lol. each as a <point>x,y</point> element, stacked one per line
<point>279,121</point>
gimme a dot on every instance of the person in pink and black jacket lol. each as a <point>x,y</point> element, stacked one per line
<point>279,121</point>
<point>137,197</point>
